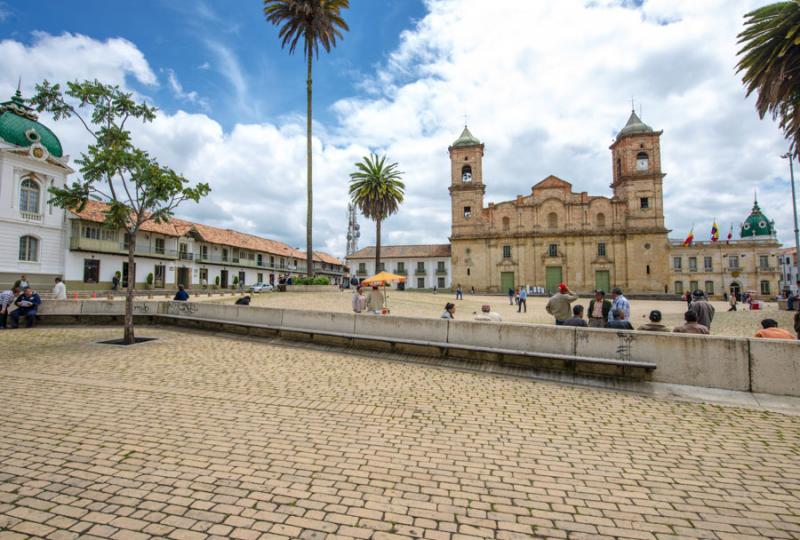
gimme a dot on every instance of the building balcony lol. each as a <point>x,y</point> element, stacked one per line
<point>767,269</point>
<point>420,272</point>
<point>361,272</point>
<point>441,272</point>
<point>184,256</point>
<point>677,270</point>
<point>401,271</point>
<point>79,243</point>
<point>31,216</point>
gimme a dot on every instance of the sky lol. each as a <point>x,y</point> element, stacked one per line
<point>545,85</point>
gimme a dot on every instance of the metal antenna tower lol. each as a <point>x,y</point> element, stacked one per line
<point>353,230</point>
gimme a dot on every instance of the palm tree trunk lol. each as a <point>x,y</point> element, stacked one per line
<point>309,203</point>
<point>378,244</point>
<point>129,337</point>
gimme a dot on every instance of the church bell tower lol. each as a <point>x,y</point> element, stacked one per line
<point>466,182</point>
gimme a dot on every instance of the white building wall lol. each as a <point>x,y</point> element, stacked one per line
<point>429,280</point>
<point>46,225</point>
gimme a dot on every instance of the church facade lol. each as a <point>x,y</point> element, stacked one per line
<point>555,234</point>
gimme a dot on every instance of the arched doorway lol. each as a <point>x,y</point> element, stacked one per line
<point>736,290</point>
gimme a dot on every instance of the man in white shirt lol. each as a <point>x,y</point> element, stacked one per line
<point>59,290</point>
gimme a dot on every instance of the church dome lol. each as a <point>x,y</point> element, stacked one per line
<point>19,126</point>
<point>466,139</point>
<point>757,224</point>
<point>634,126</point>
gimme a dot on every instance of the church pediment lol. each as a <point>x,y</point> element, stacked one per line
<point>553,182</point>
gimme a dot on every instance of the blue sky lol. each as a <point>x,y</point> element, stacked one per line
<point>192,38</point>
<point>545,85</point>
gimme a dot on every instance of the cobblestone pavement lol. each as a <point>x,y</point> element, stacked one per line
<point>202,436</point>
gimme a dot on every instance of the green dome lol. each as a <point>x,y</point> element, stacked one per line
<point>757,224</point>
<point>18,126</point>
<point>633,126</point>
<point>466,139</point>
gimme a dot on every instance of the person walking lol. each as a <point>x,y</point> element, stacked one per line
<point>732,300</point>
<point>655,323</point>
<point>618,301</point>
<point>559,305</point>
<point>459,292</point>
<point>577,317</point>
<point>115,281</point>
<point>523,300</point>
<point>449,311</point>
<point>702,308</point>
<point>599,308</point>
<point>691,326</point>
<point>510,296</point>
<point>59,290</point>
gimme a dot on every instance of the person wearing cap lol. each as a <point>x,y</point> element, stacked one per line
<point>702,308</point>
<point>599,308</point>
<point>655,323</point>
<point>487,315</point>
<point>559,305</point>
<point>770,330</point>
<point>618,301</point>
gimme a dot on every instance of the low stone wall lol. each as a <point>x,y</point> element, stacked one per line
<point>312,288</point>
<point>764,366</point>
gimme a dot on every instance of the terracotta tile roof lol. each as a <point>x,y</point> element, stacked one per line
<point>326,258</point>
<point>400,252</point>
<point>95,211</point>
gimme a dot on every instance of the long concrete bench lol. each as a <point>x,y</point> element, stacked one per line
<point>280,329</point>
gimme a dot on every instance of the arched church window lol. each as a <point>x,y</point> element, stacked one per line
<point>466,174</point>
<point>29,196</point>
<point>552,220</point>
<point>601,220</point>
<point>642,161</point>
<point>506,224</point>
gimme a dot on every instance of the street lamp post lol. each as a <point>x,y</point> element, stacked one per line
<point>788,155</point>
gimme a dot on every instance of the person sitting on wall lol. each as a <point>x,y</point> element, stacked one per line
<point>27,305</point>
<point>577,317</point>
<point>359,301</point>
<point>59,290</point>
<point>487,315</point>
<point>691,326</point>
<point>243,301</point>
<point>770,330</point>
<point>655,323</point>
<point>619,322</point>
<point>7,299</point>
<point>375,300</point>
<point>449,311</point>
<point>181,295</point>
<point>703,308</point>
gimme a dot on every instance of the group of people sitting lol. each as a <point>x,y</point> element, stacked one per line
<point>20,301</point>
<point>374,302</point>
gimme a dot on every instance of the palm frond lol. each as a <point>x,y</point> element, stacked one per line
<point>316,22</point>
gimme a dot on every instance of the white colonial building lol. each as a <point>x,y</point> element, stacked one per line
<point>787,261</point>
<point>425,266</point>
<point>31,231</point>
<point>42,241</point>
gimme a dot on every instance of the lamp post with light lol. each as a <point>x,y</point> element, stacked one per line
<point>788,155</point>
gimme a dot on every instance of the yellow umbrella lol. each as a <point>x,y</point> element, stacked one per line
<point>383,278</point>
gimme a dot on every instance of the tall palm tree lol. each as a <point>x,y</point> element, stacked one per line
<point>770,63</point>
<point>377,190</point>
<point>317,22</point>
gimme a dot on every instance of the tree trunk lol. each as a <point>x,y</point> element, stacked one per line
<point>378,244</point>
<point>309,204</point>
<point>129,337</point>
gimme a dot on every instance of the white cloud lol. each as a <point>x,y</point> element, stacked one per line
<point>178,91</point>
<point>546,85</point>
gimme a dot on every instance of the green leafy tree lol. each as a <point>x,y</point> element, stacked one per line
<point>377,190</point>
<point>770,64</point>
<point>316,22</point>
<point>135,186</point>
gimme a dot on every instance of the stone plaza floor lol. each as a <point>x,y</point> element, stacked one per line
<point>198,435</point>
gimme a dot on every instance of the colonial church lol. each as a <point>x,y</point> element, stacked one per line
<point>555,234</point>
